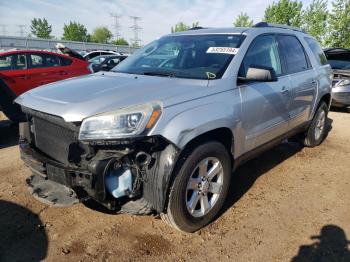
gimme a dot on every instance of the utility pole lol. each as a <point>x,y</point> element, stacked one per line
<point>116,25</point>
<point>3,29</point>
<point>21,30</point>
<point>136,40</point>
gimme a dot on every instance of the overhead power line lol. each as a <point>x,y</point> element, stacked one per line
<point>21,30</point>
<point>136,40</point>
<point>116,25</point>
<point>3,29</point>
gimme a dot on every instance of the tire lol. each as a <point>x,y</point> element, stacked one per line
<point>317,130</point>
<point>186,207</point>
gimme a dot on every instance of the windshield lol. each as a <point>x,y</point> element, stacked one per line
<point>187,56</point>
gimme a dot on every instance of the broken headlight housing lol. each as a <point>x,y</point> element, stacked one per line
<point>125,122</point>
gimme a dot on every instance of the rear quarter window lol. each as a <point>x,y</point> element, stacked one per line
<point>296,59</point>
<point>65,61</point>
<point>316,50</point>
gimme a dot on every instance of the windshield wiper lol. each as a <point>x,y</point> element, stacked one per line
<point>157,73</point>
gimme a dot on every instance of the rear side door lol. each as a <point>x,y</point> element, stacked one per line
<point>44,69</point>
<point>303,78</point>
<point>37,71</point>
<point>264,104</point>
<point>13,70</point>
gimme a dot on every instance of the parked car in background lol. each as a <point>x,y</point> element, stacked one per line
<point>89,55</point>
<point>163,131</point>
<point>339,59</point>
<point>105,62</point>
<point>22,70</point>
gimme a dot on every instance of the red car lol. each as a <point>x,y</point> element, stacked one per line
<point>22,70</point>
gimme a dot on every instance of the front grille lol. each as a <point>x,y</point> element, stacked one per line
<point>52,138</point>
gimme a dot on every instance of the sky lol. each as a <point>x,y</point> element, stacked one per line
<point>157,17</point>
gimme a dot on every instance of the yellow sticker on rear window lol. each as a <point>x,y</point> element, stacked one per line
<point>222,50</point>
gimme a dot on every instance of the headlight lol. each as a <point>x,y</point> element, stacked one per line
<point>344,82</point>
<point>125,122</point>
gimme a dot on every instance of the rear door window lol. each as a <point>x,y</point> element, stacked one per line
<point>293,53</point>
<point>262,52</point>
<point>52,60</point>
<point>6,62</point>
<point>316,50</point>
<point>37,60</point>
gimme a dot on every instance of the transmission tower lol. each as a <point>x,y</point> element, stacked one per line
<point>21,30</point>
<point>136,40</point>
<point>3,29</point>
<point>116,25</point>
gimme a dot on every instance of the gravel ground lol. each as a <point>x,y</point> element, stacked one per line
<point>289,204</point>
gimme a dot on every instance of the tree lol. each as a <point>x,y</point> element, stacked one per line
<point>101,35</point>
<point>179,27</point>
<point>339,24</point>
<point>243,20</point>
<point>121,41</point>
<point>284,12</point>
<point>314,19</point>
<point>41,28</point>
<point>75,32</point>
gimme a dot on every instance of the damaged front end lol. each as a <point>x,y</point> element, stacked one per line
<point>129,175</point>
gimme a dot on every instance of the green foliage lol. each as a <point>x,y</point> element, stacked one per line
<point>284,12</point>
<point>243,20</point>
<point>41,28</point>
<point>120,41</point>
<point>101,35</point>
<point>179,27</point>
<point>314,19</point>
<point>339,24</point>
<point>75,32</point>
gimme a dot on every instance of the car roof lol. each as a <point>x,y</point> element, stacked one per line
<point>32,51</point>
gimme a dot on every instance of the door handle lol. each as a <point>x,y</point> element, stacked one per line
<point>313,82</point>
<point>22,77</point>
<point>63,73</point>
<point>284,90</point>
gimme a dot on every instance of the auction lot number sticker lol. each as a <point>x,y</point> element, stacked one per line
<point>222,50</point>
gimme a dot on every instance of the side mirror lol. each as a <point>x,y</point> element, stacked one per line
<point>259,73</point>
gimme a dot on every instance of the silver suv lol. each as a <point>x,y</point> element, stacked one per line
<point>164,131</point>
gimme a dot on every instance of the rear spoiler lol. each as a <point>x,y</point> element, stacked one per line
<point>68,51</point>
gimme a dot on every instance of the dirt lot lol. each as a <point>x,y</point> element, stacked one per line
<point>291,203</point>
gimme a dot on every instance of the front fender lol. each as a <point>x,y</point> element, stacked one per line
<point>194,121</point>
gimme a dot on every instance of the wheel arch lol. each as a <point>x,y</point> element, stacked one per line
<point>222,135</point>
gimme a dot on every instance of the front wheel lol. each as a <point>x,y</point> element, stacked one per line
<point>317,130</point>
<point>200,188</point>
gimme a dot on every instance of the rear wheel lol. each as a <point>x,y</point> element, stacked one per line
<point>200,188</point>
<point>317,130</point>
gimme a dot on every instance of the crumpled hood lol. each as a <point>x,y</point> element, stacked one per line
<point>81,97</point>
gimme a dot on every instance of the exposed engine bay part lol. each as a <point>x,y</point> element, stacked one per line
<point>128,175</point>
<point>119,182</point>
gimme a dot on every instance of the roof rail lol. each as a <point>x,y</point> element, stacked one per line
<point>197,28</point>
<point>265,24</point>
